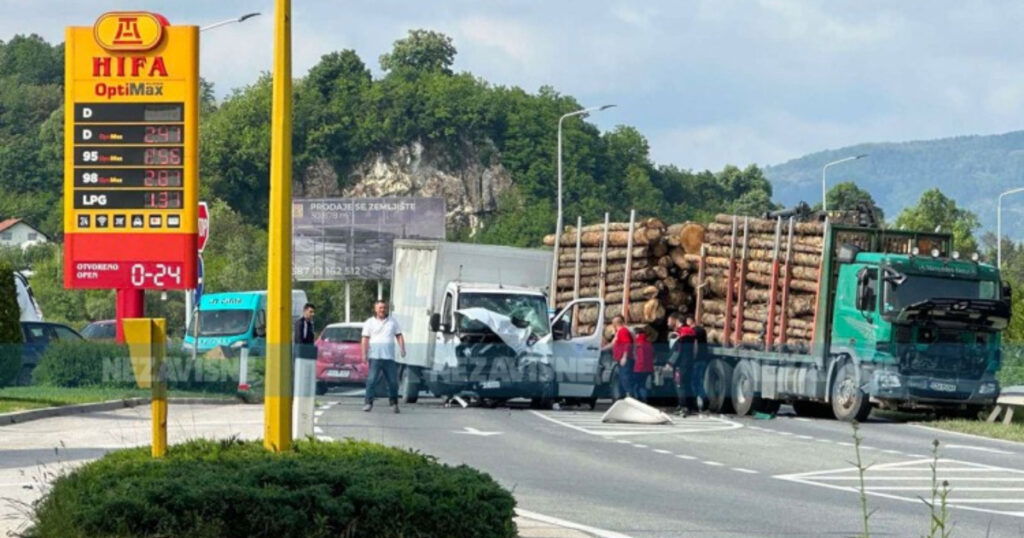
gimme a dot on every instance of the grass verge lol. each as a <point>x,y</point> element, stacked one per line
<point>1010,432</point>
<point>36,397</point>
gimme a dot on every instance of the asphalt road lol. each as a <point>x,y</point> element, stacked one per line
<point>715,476</point>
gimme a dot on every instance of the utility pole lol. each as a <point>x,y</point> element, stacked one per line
<point>277,402</point>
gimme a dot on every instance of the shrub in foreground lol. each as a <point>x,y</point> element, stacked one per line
<point>232,488</point>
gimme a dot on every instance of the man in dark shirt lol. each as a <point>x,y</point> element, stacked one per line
<point>700,363</point>
<point>681,362</point>
<point>303,334</point>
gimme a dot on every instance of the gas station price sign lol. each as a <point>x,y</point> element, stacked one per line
<point>131,156</point>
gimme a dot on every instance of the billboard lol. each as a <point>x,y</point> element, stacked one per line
<point>352,238</point>
<point>131,162</point>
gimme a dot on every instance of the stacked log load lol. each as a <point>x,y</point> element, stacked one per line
<point>644,273</point>
<point>753,246</point>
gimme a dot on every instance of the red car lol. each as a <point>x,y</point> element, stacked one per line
<point>337,356</point>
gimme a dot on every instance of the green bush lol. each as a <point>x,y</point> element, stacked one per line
<point>1012,370</point>
<point>106,364</point>
<point>10,327</point>
<point>232,488</point>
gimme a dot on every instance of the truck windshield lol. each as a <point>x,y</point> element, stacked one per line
<point>917,288</point>
<point>222,322</point>
<point>342,334</point>
<point>523,309</point>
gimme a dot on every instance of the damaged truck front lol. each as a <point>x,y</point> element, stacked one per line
<point>477,325</point>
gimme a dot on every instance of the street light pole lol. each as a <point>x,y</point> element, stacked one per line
<point>558,223</point>
<point>243,18</point>
<point>824,187</point>
<point>999,225</point>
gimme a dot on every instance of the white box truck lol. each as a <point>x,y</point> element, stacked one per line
<point>476,323</point>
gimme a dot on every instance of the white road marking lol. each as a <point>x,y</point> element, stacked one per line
<point>318,429</point>
<point>600,533</point>
<point>742,470</point>
<point>974,486</point>
<point>639,445</point>
<point>473,431</point>
<point>980,449</point>
<point>713,463</point>
<point>662,451</point>
<point>318,413</point>
<point>685,457</point>
<point>823,440</point>
<point>892,452</point>
<point>324,438</point>
<point>802,419</point>
<point>808,437</point>
<point>624,441</point>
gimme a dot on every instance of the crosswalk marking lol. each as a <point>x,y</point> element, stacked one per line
<point>972,486</point>
<point>590,423</point>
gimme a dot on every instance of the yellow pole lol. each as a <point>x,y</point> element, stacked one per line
<point>159,405</point>
<point>277,402</point>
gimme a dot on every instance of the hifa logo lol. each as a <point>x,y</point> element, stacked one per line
<point>129,30</point>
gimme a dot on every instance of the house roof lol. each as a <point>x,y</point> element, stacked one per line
<point>7,224</point>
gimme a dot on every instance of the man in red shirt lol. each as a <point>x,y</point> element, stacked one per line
<point>621,347</point>
<point>643,365</point>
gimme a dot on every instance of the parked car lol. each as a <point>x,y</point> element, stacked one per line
<point>338,360</point>
<point>38,336</point>
<point>104,329</point>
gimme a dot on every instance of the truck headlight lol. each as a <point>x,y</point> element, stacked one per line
<point>987,388</point>
<point>889,380</point>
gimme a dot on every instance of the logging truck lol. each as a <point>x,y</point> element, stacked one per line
<point>837,319</point>
<point>477,325</point>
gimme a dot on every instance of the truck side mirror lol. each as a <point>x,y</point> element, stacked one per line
<point>1006,293</point>
<point>865,294</point>
<point>435,322</point>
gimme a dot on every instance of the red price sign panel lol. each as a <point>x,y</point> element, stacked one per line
<point>131,156</point>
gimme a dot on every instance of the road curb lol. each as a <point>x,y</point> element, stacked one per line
<point>19,417</point>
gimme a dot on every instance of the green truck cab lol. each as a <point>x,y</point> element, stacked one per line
<point>901,322</point>
<point>922,331</point>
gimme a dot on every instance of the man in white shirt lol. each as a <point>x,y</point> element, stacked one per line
<point>380,333</point>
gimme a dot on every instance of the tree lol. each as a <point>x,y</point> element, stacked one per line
<point>10,326</point>
<point>934,211</point>
<point>423,51</point>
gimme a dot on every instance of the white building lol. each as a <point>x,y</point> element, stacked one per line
<point>15,232</point>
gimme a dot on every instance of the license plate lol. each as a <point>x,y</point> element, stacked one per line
<point>943,387</point>
<point>338,373</point>
<point>490,384</point>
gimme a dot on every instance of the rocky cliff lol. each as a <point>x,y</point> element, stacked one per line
<point>469,184</point>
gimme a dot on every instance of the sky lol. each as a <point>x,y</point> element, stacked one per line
<point>709,82</point>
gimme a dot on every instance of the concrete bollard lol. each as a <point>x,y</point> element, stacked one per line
<point>304,391</point>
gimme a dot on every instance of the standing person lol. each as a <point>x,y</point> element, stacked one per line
<point>621,347</point>
<point>304,335</point>
<point>380,333</point>
<point>681,361</point>
<point>700,363</point>
<point>643,365</point>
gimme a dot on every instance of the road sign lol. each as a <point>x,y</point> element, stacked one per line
<point>203,225</point>
<point>131,159</point>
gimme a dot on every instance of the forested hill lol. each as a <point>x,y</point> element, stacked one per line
<point>418,129</point>
<point>972,170</point>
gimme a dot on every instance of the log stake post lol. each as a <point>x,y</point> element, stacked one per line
<point>773,288</point>
<point>741,294</point>
<point>576,270</point>
<point>784,317</point>
<point>699,309</point>
<point>603,283</point>
<point>729,283</point>
<point>628,274</point>
<point>821,275</point>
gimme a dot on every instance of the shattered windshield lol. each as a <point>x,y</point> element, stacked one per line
<point>917,288</point>
<point>524,310</point>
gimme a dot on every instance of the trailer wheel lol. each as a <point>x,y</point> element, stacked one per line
<point>745,397</point>
<point>409,385</point>
<point>849,402</point>
<point>717,383</point>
